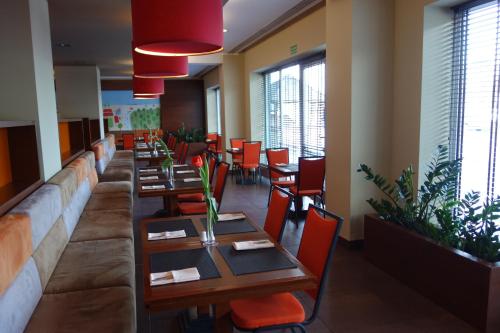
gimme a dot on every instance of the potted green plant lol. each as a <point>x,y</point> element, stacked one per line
<point>445,247</point>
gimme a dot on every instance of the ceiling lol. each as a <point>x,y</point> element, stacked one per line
<point>99,32</point>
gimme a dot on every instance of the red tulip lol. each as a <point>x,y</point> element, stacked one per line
<point>197,161</point>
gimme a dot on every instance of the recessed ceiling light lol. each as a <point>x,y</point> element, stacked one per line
<point>63,44</point>
<point>224,30</point>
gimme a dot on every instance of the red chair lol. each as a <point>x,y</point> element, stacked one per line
<point>193,208</point>
<point>128,141</point>
<point>251,159</point>
<point>276,156</point>
<point>181,157</point>
<point>277,213</point>
<point>211,147</point>
<point>237,158</point>
<point>284,310</point>
<point>145,135</point>
<point>310,181</point>
<point>199,197</point>
<point>172,141</point>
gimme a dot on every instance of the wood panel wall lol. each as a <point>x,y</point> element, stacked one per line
<point>183,102</point>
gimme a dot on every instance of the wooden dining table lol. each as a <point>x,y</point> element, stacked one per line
<point>154,160</point>
<point>171,190</point>
<point>287,170</point>
<point>227,286</point>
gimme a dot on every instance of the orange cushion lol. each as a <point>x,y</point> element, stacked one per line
<point>15,247</point>
<point>192,208</point>
<point>195,197</point>
<point>276,309</point>
<point>293,189</point>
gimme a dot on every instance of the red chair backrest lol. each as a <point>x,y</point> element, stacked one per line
<point>220,182</point>
<point>128,141</point>
<point>183,153</point>
<point>237,143</point>
<point>219,144</point>
<point>212,137</point>
<point>146,136</point>
<point>277,213</point>
<point>311,173</point>
<point>251,152</point>
<point>318,243</point>
<point>173,143</point>
<point>211,168</point>
<point>178,149</point>
<point>275,156</point>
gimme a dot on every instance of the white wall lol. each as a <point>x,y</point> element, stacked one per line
<point>26,84</point>
<point>78,91</point>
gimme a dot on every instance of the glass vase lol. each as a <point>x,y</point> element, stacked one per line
<point>171,173</point>
<point>210,241</point>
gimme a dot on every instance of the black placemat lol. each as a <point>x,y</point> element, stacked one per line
<point>231,227</point>
<point>186,225</point>
<point>254,261</point>
<point>199,258</point>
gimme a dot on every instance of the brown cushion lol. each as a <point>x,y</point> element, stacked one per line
<point>87,311</point>
<point>96,224</point>
<point>117,174</point>
<point>110,201</point>
<point>113,187</point>
<point>124,164</point>
<point>124,154</point>
<point>94,264</point>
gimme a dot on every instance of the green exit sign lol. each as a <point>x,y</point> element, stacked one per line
<point>293,49</point>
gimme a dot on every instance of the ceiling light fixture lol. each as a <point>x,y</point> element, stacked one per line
<point>147,66</point>
<point>177,28</point>
<point>224,30</point>
<point>148,87</point>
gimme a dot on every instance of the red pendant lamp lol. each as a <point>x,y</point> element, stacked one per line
<point>147,87</point>
<point>177,27</point>
<point>147,66</point>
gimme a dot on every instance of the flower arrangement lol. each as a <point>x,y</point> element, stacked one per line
<point>212,215</point>
<point>168,162</point>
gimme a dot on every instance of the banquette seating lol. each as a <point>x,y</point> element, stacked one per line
<point>67,256</point>
<point>111,164</point>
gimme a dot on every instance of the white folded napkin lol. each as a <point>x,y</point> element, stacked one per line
<point>190,180</point>
<point>148,170</point>
<point>253,245</point>
<point>153,187</point>
<point>182,275</point>
<point>236,149</point>
<point>166,235</point>
<point>149,178</point>
<point>180,165</point>
<point>144,154</point>
<point>185,171</point>
<point>231,217</point>
<point>280,164</point>
<point>285,169</point>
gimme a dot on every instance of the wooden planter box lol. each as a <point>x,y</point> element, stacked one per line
<point>463,284</point>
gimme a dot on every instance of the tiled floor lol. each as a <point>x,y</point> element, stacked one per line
<point>359,297</point>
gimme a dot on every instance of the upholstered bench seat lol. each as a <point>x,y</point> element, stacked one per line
<point>94,264</point>
<point>85,311</point>
<point>110,201</point>
<point>113,187</point>
<point>98,224</point>
<point>124,154</point>
<point>113,165</point>
<point>116,174</point>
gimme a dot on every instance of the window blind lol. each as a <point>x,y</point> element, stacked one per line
<point>295,108</point>
<point>475,98</point>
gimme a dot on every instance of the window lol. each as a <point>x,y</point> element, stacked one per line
<point>295,108</point>
<point>474,125</point>
<point>217,109</point>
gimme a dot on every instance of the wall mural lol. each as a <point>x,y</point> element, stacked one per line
<point>124,113</point>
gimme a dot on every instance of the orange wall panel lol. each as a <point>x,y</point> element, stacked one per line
<point>5,168</point>
<point>64,143</point>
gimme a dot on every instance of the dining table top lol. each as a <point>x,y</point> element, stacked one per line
<point>153,175</point>
<point>227,286</point>
<point>290,169</point>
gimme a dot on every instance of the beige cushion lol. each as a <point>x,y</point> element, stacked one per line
<point>124,164</point>
<point>110,201</point>
<point>110,310</point>
<point>113,187</point>
<point>112,174</point>
<point>124,154</point>
<point>67,181</point>
<point>96,224</point>
<point>94,264</point>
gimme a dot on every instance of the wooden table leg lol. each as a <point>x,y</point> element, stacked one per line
<point>223,322</point>
<point>170,205</point>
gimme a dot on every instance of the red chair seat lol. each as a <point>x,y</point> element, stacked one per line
<point>192,208</point>
<point>194,197</point>
<point>283,183</point>
<point>271,310</point>
<point>293,189</point>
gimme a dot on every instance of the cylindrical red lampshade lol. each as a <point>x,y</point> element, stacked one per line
<point>177,27</point>
<point>148,66</point>
<point>143,86</point>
